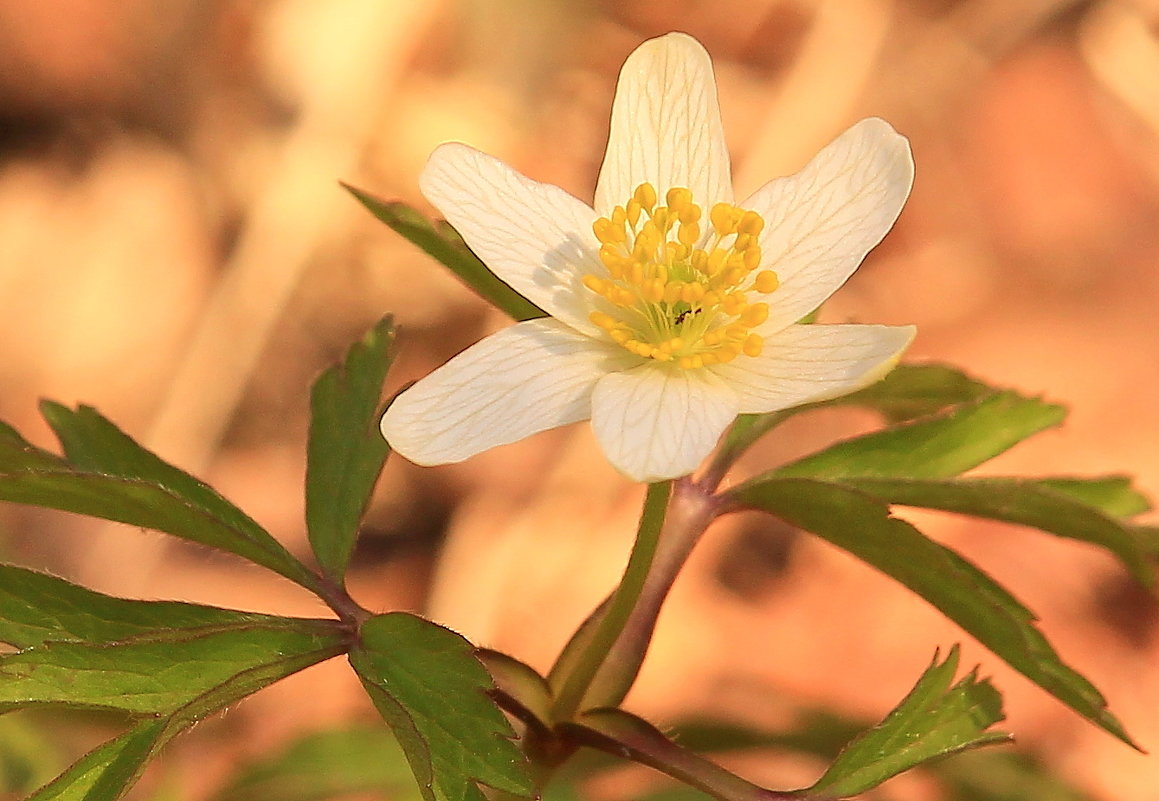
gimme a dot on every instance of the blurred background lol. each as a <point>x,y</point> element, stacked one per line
<point>175,250</point>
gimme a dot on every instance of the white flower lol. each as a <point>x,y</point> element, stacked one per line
<point>672,309</point>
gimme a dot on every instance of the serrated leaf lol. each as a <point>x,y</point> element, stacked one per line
<point>106,474</point>
<point>934,720</point>
<point>164,671</point>
<point>36,608</point>
<point>442,243</point>
<point>937,447</point>
<point>863,526</point>
<point>431,690</point>
<point>346,451</point>
<point>325,765</point>
<point>109,770</point>
<point>1028,502</point>
<point>625,735</point>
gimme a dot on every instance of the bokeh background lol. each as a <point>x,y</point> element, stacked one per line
<point>175,250</point>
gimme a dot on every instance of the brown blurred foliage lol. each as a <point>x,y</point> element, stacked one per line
<point>175,250</point>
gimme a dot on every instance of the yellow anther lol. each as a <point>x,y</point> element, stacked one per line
<point>752,257</point>
<point>620,335</point>
<point>699,260</point>
<point>645,195</point>
<point>733,276</point>
<point>619,216</point>
<point>755,314</point>
<point>709,357</point>
<point>635,273</point>
<point>726,353</point>
<point>689,233</point>
<point>633,212</point>
<point>717,260</point>
<point>614,262</point>
<point>594,283</point>
<point>690,362</point>
<point>622,297</point>
<point>742,242</point>
<point>605,321</point>
<point>767,281</point>
<point>678,197</point>
<point>654,291</point>
<point>753,345</point>
<point>733,303</point>
<point>690,214</point>
<point>751,223</point>
<point>662,219</point>
<point>608,232</point>
<point>724,218</point>
<point>712,338</point>
<point>672,291</point>
<point>692,293</point>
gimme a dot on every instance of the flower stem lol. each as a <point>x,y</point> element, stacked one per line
<point>612,643</point>
<point>617,609</point>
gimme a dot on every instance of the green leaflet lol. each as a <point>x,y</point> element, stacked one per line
<point>442,243</point>
<point>1052,505</point>
<point>36,608</point>
<point>164,671</point>
<point>937,447</point>
<point>863,526</point>
<point>346,451</point>
<point>106,474</point>
<point>431,690</point>
<point>935,719</point>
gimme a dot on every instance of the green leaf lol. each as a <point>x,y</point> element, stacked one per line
<point>916,390</point>
<point>108,771</point>
<point>1114,495</point>
<point>1035,503</point>
<point>170,679</point>
<point>933,721</point>
<point>346,451</point>
<point>625,735</point>
<point>325,765</point>
<point>937,447</point>
<point>431,690</point>
<point>863,526</point>
<point>36,608</point>
<point>441,242</point>
<point>907,392</point>
<point>106,474</point>
<point>165,671</point>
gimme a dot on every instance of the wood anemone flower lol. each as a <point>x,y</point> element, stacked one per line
<point>673,308</point>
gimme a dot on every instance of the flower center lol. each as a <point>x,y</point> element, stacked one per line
<point>678,296</point>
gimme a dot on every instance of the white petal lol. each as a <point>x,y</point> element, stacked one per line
<point>656,422</point>
<point>535,237</point>
<point>665,126</point>
<point>806,363</point>
<point>524,379</point>
<point>820,223</point>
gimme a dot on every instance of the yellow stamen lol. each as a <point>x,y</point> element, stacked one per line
<point>674,293</point>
